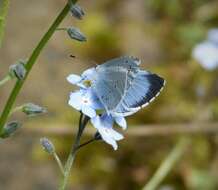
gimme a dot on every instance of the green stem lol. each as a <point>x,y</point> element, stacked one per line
<point>3,14</point>
<point>59,162</point>
<point>86,143</point>
<point>71,157</point>
<point>18,108</point>
<point>61,29</point>
<point>35,54</point>
<point>68,167</point>
<point>4,80</point>
<point>168,164</point>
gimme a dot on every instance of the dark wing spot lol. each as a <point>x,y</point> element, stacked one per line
<point>156,83</point>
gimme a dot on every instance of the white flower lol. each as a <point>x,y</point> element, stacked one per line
<point>206,54</point>
<point>82,80</point>
<point>104,125</point>
<point>213,35</point>
<point>86,101</point>
<point>90,97</point>
<point>89,73</point>
<point>76,80</point>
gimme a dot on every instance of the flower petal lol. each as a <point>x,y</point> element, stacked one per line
<point>107,120</point>
<point>116,136</point>
<point>74,79</point>
<point>88,111</point>
<point>96,122</point>
<point>93,99</point>
<point>76,100</point>
<point>108,139</point>
<point>89,73</point>
<point>104,125</point>
<point>121,122</point>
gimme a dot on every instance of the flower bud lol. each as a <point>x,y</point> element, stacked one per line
<point>18,70</point>
<point>75,34</point>
<point>77,12</point>
<point>47,145</point>
<point>32,109</point>
<point>10,129</point>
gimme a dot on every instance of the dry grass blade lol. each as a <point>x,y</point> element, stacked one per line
<point>134,131</point>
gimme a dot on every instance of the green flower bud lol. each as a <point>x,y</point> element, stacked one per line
<point>32,109</point>
<point>75,34</point>
<point>10,128</point>
<point>47,145</point>
<point>77,12</point>
<point>18,70</point>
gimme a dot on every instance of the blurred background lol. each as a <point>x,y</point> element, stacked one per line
<point>162,34</point>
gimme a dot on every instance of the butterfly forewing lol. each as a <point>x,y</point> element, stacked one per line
<point>109,86</point>
<point>126,62</point>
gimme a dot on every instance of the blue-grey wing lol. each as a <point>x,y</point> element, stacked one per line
<point>142,90</point>
<point>110,85</point>
<point>126,62</point>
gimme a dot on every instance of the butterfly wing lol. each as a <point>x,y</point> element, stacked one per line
<point>111,80</point>
<point>109,85</point>
<point>142,90</point>
<point>126,62</point>
<point>123,88</point>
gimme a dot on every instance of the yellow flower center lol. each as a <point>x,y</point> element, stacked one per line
<point>87,83</point>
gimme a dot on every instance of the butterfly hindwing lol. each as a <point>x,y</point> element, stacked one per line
<point>143,89</point>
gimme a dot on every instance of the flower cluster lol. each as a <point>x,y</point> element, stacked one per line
<point>206,53</point>
<point>86,101</point>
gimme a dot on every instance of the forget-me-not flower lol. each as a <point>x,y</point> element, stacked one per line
<point>206,53</point>
<point>86,101</point>
<point>106,98</point>
<point>84,80</point>
<point>104,125</point>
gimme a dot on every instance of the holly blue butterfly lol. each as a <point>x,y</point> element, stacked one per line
<point>123,88</point>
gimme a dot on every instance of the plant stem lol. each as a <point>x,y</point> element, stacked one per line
<point>68,166</point>
<point>3,14</point>
<point>86,143</point>
<point>5,79</point>
<point>18,108</point>
<point>61,29</point>
<point>168,164</point>
<point>71,157</point>
<point>35,54</point>
<point>59,162</point>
